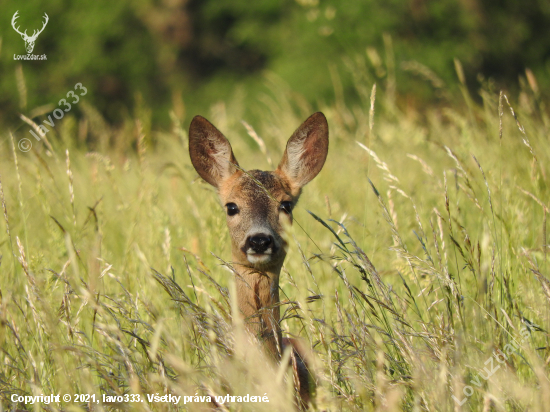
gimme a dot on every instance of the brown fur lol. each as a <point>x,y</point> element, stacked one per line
<point>258,196</point>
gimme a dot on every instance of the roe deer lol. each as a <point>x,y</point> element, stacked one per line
<point>257,203</point>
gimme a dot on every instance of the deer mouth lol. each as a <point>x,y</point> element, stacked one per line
<point>259,258</point>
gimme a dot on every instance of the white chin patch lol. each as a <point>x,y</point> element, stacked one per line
<point>259,258</point>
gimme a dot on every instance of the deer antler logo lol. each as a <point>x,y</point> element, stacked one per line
<point>29,40</point>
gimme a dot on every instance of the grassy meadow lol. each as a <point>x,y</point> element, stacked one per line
<point>417,271</point>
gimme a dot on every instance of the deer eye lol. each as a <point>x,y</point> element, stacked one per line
<point>286,207</point>
<point>232,209</point>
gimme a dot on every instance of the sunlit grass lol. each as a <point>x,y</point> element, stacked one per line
<point>417,254</point>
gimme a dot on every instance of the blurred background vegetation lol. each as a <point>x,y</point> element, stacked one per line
<point>187,54</point>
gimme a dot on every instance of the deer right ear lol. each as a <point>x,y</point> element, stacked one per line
<point>210,152</point>
<point>306,151</point>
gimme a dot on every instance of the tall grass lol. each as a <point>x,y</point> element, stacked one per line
<point>417,271</point>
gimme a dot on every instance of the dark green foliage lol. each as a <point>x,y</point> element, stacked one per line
<point>199,50</point>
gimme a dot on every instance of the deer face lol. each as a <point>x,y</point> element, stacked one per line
<point>258,204</point>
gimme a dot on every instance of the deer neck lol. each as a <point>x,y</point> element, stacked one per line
<point>258,301</point>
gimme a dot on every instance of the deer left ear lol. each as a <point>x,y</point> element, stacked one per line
<point>210,152</point>
<point>306,151</point>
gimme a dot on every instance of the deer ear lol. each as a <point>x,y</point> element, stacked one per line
<point>210,152</point>
<point>306,151</point>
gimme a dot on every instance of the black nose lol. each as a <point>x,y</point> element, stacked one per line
<point>259,243</point>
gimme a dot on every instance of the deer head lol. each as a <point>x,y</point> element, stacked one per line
<point>258,202</point>
<point>29,40</point>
